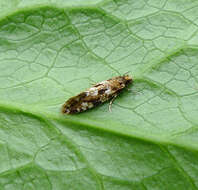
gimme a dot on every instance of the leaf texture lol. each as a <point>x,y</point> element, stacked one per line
<point>53,49</point>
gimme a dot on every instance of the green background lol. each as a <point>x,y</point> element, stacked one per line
<point>51,50</point>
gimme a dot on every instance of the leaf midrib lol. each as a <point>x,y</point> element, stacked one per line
<point>114,128</point>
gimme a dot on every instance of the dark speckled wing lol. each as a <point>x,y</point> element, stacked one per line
<point>95,95</point>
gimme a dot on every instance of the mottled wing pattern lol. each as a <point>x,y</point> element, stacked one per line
<point>90,98</point>
<point>94,96</point>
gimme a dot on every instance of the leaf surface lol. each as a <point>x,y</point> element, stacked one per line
<point>52,50</point>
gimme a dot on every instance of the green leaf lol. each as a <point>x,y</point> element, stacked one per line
<point>53,49</point>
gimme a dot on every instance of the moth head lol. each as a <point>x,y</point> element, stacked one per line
<point>127,79</point>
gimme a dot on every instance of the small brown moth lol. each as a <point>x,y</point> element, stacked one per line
<point>99,93</point>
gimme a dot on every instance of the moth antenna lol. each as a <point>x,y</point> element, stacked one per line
<point>135,92</point>
<point>126,73</point>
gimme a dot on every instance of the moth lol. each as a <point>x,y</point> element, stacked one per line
<point>97,94</point>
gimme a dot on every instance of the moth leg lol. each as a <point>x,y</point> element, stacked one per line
<point>132,91</point>
<point>128,89</point>
<point>92,83</point>
<point>111,102</point>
